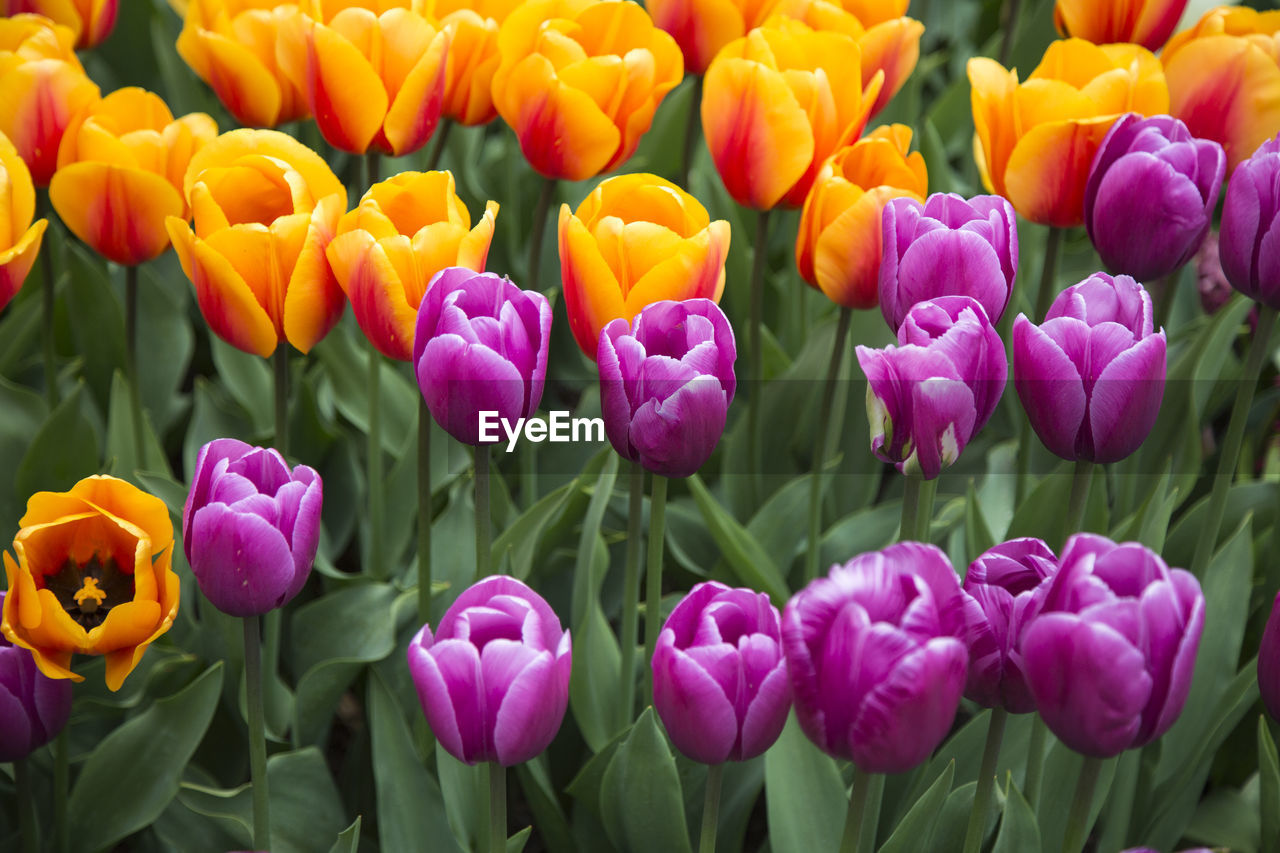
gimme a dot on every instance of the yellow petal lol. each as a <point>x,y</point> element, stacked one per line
<point>119,212</point>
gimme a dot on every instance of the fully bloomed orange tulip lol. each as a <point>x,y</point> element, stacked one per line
<point>580,80</point>
<point>472,26</point>
<point>1035,140</point>
<point>778,102</point>
<point>840,242</point>
<point>635,240</point>
<point>1145,22</point>
<point>120,169</point>
<point>91,20</point>
<point>265,208</point>
<point>20,237</point>
<point>1224,78</point>
<point>405,230</point>
<point>44,86</point>
<point>702,27</point>
<point>93,576</point>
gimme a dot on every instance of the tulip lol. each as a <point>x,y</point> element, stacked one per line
<point>719,679</point>
<point>93,575</point>
<point>1269,661</point>
<point>1249,240</point>
<point>231,45</point>
<point>1145,22</point>
<point>405,230</point>
<point>875,656</point>
<point>949,246</point>
<point>776,103</point>
<point>580,80</point>
<point>666,382</point>
<point>44,86</point>
<point>838,246</point>
<point>472,27</point>
<point>1224,78</point>
<point>480,346</point>
<point>20,243</point>
<point>702,27</point>
<point>1110,655</point>
<point>33,707</point>
<point>1004,582</point>
<point>265,208</point>
<point>250,526</point>
<point>91,20</point>
<point>1091,377</point>
<point>635,240</point>
<point>120,170</point>
<point>1150,196</point>
<point>494,677</point>
<point>872,12</point>
<point>1036,140</point>
<point>929,396</point>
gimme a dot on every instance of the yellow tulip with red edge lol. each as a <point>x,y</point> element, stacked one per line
<point>473,27</point>
<point>579,82</point>
<point>90,20</point>
<point>1145,22</point>
<point>120,170</point>
<point>840,242</point>
<point>635,240</point>
<point>778,102</point>
<point>1036,139</point>
<point>702,27</point>
<point>872,12</point>
<point>264,208</point>
<point>20,238</point>
<point>93,575</point>
<point>404,231</point>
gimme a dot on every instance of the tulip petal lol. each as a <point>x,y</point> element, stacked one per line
<point>16,262</point>
<point>376,293</point>
<point>313,302</point>
<point>698,716</point>
<point>242,562</point>
<point>1049,386</point>
<point>245,86</point>
<point>435,693</point>
<point>1047,169</point>
<point>592,293</point>
<point>119,212</point>
<point>413,115</point>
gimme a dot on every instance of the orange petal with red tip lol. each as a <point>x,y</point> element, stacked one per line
<point>16,262</point>
<point>376,293</point>
<point>313,301</point>
<point>993,90</point>
<point>700,27</point>
<point>345,93</point>
<point>473,251</point>
<point>37,102</point>
<point>415,111</point>
<point>893,47</point>
<point>592,294</point>
<point>236,145</point>
<point>846,256</point>
<point>1047,170</point>
<point>244,85</point>
<point>119,212</point>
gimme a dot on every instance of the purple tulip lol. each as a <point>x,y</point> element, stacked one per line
<point>666,382</point>
<point>1003,582</point>
<point>875,655</point>
<point>929,396</point>
<point>494,678</point>
<point>480,346</point>
<point>949,246</point>
<point>719,678</point>
<point>1249,240</point>
<point>251,526</point>
<point>33,707</point>
<point>1269,661</point>
<point>1091,377</point>
<point>1150,196</point>
<point>1110,655</point>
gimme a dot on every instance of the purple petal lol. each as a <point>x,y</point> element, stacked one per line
<point>242,563</point>
<point>1125,400</point>
<point>1049,386</point>
<point>693,706</point>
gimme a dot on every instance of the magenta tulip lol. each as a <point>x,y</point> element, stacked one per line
<point>1269,662</point>
<point>33,707</point>
<point>1249,240</point>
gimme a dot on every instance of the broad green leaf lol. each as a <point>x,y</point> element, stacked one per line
<point>346,366</point>
<point>588,574</point>
<point>640,794</point>
<point>594,684</point>
<point>516,843</point>
<point>1269,787</point>
<point>519,542</point>
<point>805,795</point>
<point>465,789</point>
<point>64,450</point>
<point>349,839</point>
<point>1018,828</point>
<point>977,535</point>
<point>1057,792</point>
<point>749,562</point>
<point>915,830</point>
<point>248,379</point>
<point>121,449</point>
<point>24,412</point>
<point>548,816</point>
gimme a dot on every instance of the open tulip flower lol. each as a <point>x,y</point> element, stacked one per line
<point>93,576</point>
<point>91,20</point>
<point>265,208</point>
<point>776,103</point>
<point>405,230</point>
<point>33,707</point>
<point>702,27</point>
<point>580,80</point>
<point>120,171</point>
<point>635,240</point>
<point>1145,22</point>
<point>1036,139</point>
<point>20,244</point>
<point>472,26</point>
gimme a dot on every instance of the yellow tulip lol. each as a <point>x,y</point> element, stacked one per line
<point>1145,22</point>
<point>472,26</point>
<point>91,20</point>
<point>19,237</point>
<point>702,27</point>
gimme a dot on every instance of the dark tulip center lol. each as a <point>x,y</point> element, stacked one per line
<point>88,592</point>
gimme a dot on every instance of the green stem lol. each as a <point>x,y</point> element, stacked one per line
<point>26,806</point>
<point>497,808</point>
<point>1081,480</point>
<point>424,511</point>
<point>280,361</point>
<point>692,130</point>
<point>857,805</point>
<point>711,809</point>
<point>917,508</point>
<point>1165,292</point>
<point>631,592</point>
<point>986,781</point>
<point>131,362</point>
<point>371,164</point>
<point>482,511</point>
<point>257,734</point>
<point>1208,539</point>
<point>825,430</point>
<point>1048,274</point>
<point>529,473</point>
<point>653,585</point>
<point>1078,820</point>
<point>540,212</point>
<point>1008,26</point>
<point>48,295</point>
<point>755,368</point>
<point>871,813</point>
<point>442,137</point>
<point>1035,760</point>
<point>61,785</point>
<point>378,569</point>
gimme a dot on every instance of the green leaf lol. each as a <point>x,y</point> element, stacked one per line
<point>915,830</point>
<point>594,683</point>
<point>63,451</point>
<point>588,574</point>
<point>548,816</point>
<point>749,562</point>
<point>24,412</point>
<point>248,379</point>
<point>345,362</point>
<point>465,788</point>
<point>516,843</point>
<point>1043,515</point>
<point>641,796</point>
<point>121,450</point>
<point>804,793</point>
<point>519,542</point>
<point>1018,828</point>
<point>977,536</point>
<point>1269,787</point>
<point>349,839</point>
<point>1058,786</point>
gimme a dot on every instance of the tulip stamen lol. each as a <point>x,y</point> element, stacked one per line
<point>90,596</point>
<point>88,592</point>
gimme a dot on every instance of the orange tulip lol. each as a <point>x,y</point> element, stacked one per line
<point>387,250</point>
<point>872,12</point>
<point>1035,140</point>
<point>636,239</point>
<point>120,169</point>
<point>839,244</point>
<point>43,85</point>
<point>91,20</point>
<point>778,102</point>
<point>702,27</point>
<point>580,80</point>
<point>20,239</point>
<point>1224,78</point>
<point>93,575</point>
<point>472,26</point>
<point>1145,22</point>
<point>265,208</point>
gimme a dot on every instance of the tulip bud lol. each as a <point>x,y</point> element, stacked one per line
<point>1110,655</point>
<point>1091,377</point>
<point>929,396</point>
<point>494,677</point>
<point>875,656</point>
<point>33,707</point>
<point>1145,22</point>
<point>1249,239</point>
<point>719,678</point>
<point>949,246</point>
<point>20,244</point>
<point>666,383</point>
<point>1269,661</point>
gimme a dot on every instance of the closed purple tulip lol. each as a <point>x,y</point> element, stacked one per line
<point>1003,582</point>
<point>1249,239</point>
<point>251,526</point>
<point>719,678</point>
<point>494,677</point>
<point>876,659</point>
<point>1150,196</point>
<point>930,395</point>
<point>33,707</point>
<point>1091,377</point>
<point>1269,662</point>
<point>480,346</point>
<point>666,382</point>
<point>1110,655</point>
<point>948,246</point>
